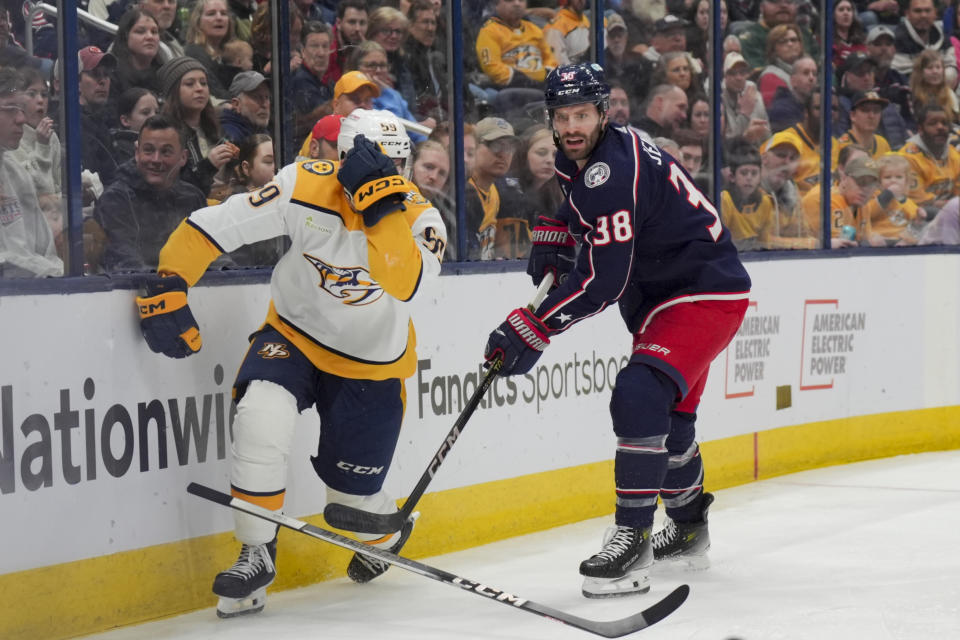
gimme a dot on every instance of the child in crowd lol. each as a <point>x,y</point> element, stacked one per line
<point>237,57</point>
<point>254,167</point>
<point>849,223</point>
<point>893,215</point>
<point>748,211</point>
<point>239,54</point>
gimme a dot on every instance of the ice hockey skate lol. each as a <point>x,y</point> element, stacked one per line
<point>364,568</point>
<point>243,587</point>
<point>685,542</point>
<point>622,567</point>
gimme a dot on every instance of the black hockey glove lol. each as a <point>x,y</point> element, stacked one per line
<point>518,341</point>
<point>553,251</point>
<point>371,181</point>
<point>166,321</point>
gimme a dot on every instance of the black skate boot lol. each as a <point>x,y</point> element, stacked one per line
<point>686,542</point>
<point>623,565</point>
<point>364,568</point>
<point>243,587</point>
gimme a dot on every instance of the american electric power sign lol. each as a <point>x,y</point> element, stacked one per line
<point>821,353</point>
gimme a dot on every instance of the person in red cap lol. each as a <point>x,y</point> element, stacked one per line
<point>96,69</point>
<point>322,144</point>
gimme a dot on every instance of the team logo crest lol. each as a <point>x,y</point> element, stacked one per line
<point>353,285</point>
<point>273,350</point>
<point>318,167</point>
<point>596,175</point>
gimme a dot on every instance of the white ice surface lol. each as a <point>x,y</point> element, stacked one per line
<point>863,551</point>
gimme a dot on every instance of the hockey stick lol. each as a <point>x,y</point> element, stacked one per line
<point>608,629</point>
<point>348,518</point>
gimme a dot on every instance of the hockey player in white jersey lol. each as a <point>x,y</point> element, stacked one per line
<point>337,336</point>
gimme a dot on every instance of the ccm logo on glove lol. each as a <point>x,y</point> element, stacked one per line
<point>375,190</point>
<point>153,308</point>
<point>166,322</point>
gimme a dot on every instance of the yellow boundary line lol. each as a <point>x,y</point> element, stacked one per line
<point>88,596</point>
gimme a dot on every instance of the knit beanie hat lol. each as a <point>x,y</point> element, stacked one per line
<point>172,71</point>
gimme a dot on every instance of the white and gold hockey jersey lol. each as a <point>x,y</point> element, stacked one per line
<point>339,293</point>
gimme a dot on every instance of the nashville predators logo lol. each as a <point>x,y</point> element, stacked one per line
<point>353,285</point>
<point>272,350</point>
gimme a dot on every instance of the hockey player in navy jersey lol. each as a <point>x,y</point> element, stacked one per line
<point>634,231</point>
<point>338,334</point>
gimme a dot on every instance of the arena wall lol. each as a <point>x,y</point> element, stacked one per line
<point>839,359</point>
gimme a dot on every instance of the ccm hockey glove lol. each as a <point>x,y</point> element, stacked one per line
<point>165,319</point>
<point>371,181</point>
<point>553,251</point>
<point>518,342</point>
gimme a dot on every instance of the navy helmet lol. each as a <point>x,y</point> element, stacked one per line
<point>577,84</point>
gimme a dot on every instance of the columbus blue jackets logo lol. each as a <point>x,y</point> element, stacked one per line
<point>596,175</point>
<point>353,285</point>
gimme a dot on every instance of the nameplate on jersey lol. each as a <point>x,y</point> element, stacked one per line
<point>653,151</point>
<point>596,174</point>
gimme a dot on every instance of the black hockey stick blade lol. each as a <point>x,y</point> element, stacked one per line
<point>608,629</point>
<point>349,518</point>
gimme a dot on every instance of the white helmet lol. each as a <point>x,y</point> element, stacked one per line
<point>378,126</point>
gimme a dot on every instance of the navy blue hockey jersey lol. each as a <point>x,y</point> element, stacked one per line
<point>648,237</point>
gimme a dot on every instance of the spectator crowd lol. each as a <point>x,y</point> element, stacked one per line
<point>176,111</point>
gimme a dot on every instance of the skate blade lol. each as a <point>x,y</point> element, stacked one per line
<point>686,563</point>
<point>233,607</point>
<point>634,582</point>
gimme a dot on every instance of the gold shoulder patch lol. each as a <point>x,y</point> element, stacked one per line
<point>318,167</point>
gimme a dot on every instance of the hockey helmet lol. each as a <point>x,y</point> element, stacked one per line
<point>378,126</point>
<point>577,84</point>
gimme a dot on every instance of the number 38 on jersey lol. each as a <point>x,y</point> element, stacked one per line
<point>615,227</point>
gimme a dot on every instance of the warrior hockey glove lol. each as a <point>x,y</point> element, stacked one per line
<point>553,251</point>
<point>519,341</point>
<point>165,319</point>
<point>371,181</point>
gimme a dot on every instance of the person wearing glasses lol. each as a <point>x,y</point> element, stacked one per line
<point>249,111</point>
<point>388,27</point>
<point>753,34</point>
<point>493,198</point>
<point>784,47</point>
<point>370,58</point>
